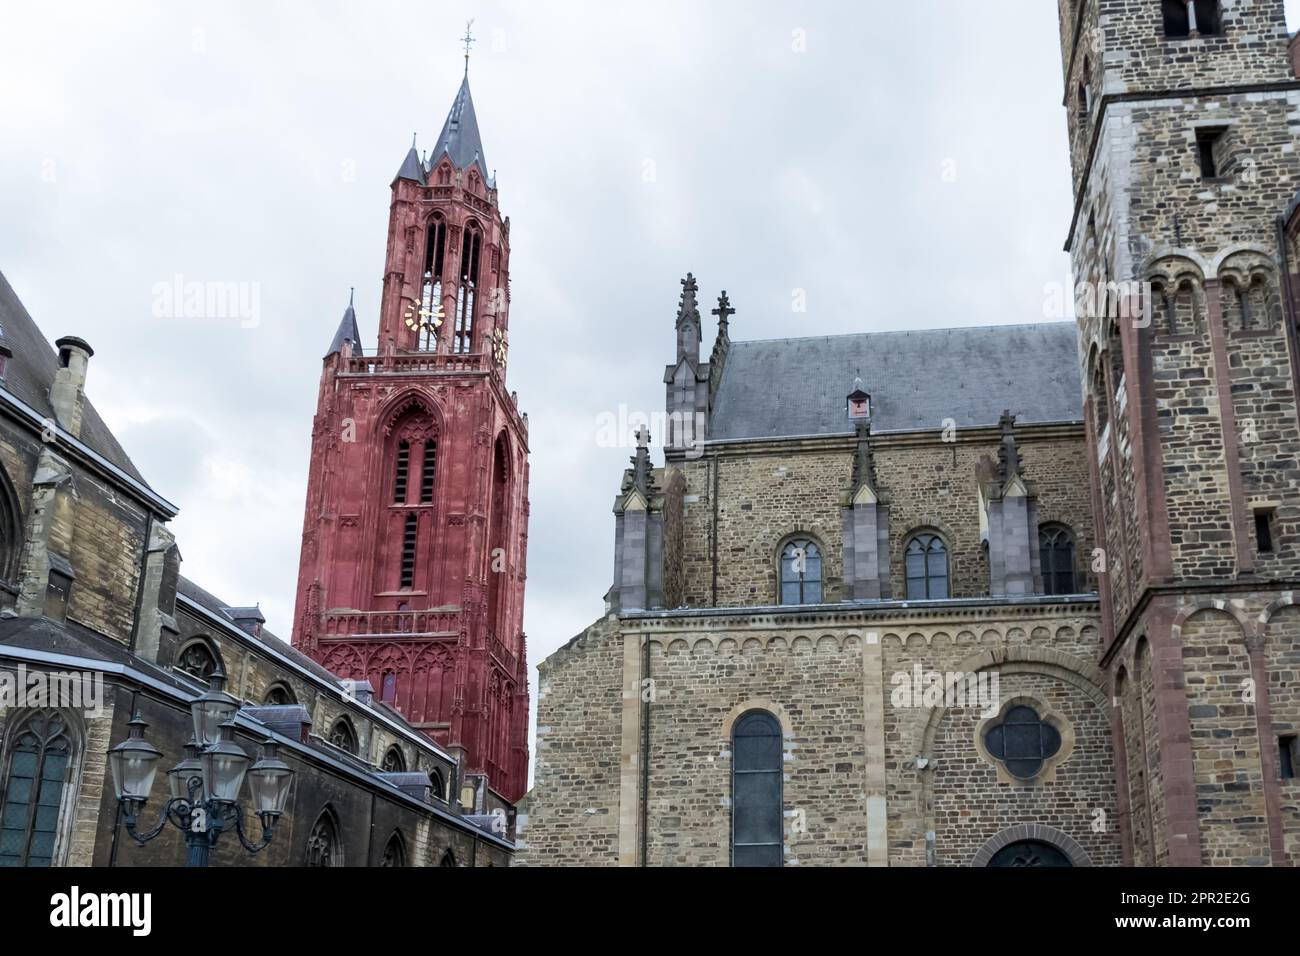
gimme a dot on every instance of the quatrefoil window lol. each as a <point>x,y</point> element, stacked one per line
<point>1023,742</point>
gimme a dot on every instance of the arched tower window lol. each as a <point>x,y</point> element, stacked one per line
<point>431,298</point>
<point>411,450</point>
<point>448,859</point>
<point>498,573</point>
<point>471,247</point>
<point>41,756</point>
<point>1056,559</point>
<point>401,472</point>
<point>757,823</point>
<point>925,566</point>
<point>801,572</point>
<point>437,785</point>
<point>428,469</point>
<point>410,540</point>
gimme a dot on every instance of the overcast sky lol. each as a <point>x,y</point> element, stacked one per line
<point>904,164</point>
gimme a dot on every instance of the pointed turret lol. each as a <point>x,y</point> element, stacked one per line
<point>412,168</point>
<point>347,331</point>
<point>459,139</point>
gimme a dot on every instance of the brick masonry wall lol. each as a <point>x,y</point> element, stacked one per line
<point>1282,661</point>
<point>810,671</point>
<point>1225,743</point>
<point>764,497</point>
<point>572,810</point>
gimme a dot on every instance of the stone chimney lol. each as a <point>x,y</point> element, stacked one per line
<point>68,393</point>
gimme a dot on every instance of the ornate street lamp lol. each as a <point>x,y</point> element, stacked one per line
<point>206,785</point>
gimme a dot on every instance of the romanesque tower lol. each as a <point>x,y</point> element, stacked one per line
<point>1181,121</point>
<point>415,533</point>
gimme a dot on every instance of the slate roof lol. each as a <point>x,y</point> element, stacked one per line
<point>412,168</point>
<point>460,138</point>
<point>347,332</point>
<point>220,608</point>
<point>781,388</point>
<point>30,373</point>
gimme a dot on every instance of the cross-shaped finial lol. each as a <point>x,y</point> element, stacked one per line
<point>642,437</point>
<point>467,39</point>
<point>724,311</point>
<point>688,284</point>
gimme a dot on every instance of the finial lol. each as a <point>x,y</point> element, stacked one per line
<point>413,135</point>
<point>724,311</point>
<point>642,437</point>
<point>351,292</point>
<point>467,39</point>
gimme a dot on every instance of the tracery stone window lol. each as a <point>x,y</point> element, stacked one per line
<point>323,845</point>
<point>925,566</point>
<point>394,851</point>
<point>448,859</point>
<point>1030,853</point>
<point>393,762</point>
<point>438,785</point>
<point>197,660</point>
<point>343,736</point>
<point>801,572</point>
<point>279,696</point>
<point>41,761</point>
<point>1056,559</point>
<point>757,821</point>
<point>1022,741</point>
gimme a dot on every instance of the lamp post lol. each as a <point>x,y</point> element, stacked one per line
<point>206,785</point>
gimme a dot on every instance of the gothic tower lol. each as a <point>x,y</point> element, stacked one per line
<point>416,525</point>
<point>1183,146</point>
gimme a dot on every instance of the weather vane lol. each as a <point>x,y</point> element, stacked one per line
<point>467,39</point>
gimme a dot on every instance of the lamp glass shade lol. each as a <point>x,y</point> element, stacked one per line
<point>134,763</point>
<point>225,765</point>
<point>179,776</point>
<point>268,783</point>
<point>210,711</point>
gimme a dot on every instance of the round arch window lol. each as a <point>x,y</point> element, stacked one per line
<point>1030,853</point>
<point>801,572</point>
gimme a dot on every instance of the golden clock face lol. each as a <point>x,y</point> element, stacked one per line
<point>499,347</point>
<point>421,317</point>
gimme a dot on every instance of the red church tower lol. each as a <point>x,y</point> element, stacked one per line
<point>416,529</point>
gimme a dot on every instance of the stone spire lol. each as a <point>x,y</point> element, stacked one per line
<point>864,465</point>
<point>347,330</point>
<point>459,139</point>
<point>642,477</point>
<point>412,168</point>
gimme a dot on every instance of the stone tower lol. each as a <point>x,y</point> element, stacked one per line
<point>1183,145</point>
<point>416,526</point>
